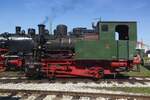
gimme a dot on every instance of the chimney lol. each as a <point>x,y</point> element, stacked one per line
<point>18,29</point>
<point>41,29</point>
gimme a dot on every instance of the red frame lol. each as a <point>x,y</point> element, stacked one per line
<point>2,59</point>
<point>69,68</point>
<point>18,62</point>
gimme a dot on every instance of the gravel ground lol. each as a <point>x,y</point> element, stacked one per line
<point>32,97</point>
<point>63,97</point>
<point>49,97</point>
<point>13,77</point>
<point>74,87</point>
<point>79,87</point>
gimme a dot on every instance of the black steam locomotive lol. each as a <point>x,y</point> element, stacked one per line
<point>82,52</point>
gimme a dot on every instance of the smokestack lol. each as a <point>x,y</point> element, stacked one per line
<point>18,29</point>
<point>41,29</point>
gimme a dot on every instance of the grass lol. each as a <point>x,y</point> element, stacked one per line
<point>144,72</point>
<point>142,90</point>
<point>145,90</point>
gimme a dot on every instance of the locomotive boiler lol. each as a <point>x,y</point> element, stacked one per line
<point>17,42</point>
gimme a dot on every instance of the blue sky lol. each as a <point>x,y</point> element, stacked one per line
<point>29,13</point>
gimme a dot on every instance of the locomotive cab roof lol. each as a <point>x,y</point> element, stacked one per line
<point>117,30</point>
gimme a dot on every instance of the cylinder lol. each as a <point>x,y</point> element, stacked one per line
<point>18,29</point>
<point>41,29</point>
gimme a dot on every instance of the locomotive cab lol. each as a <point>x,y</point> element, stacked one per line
<point>117,40</point>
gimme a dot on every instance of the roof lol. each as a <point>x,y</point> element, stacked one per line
<point>117,22</point>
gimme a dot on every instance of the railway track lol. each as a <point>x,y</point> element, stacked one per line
<point>20,87</point>
<point>72,80</point>
<point>131,81</point>
<point>66,95</point>
<point>63,85</point>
